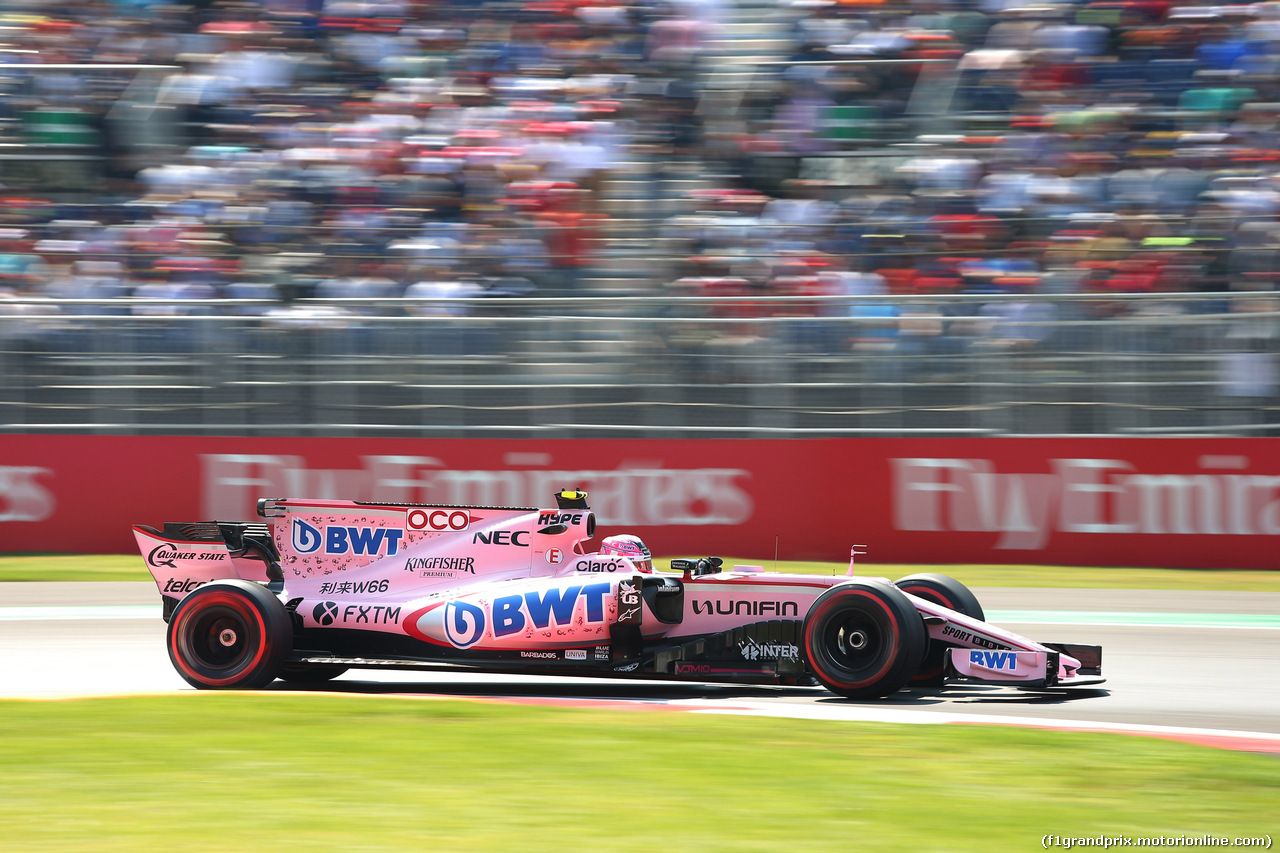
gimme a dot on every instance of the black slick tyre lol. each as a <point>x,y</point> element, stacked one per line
<point>950,593</point>
<point>864,639</point>
<point>229,634</point>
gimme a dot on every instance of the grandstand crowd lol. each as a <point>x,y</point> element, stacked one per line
<point>392,148</point>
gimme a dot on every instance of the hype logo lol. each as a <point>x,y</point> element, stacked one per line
<point>463,623</point>
<point>305,537</point>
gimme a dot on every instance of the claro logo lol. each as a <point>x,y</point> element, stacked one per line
<point>21,497</point>
<point>1084,496</point>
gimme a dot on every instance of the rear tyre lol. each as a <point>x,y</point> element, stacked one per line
<point>864,639</point>
<point>229,634</point>
<point>952,594</point>
<point>310,673</point>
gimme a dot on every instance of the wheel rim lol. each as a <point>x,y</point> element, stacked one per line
<point>217,638</point>
<point>856,642</point>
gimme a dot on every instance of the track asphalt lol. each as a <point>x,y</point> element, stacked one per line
<point>1192,666</point>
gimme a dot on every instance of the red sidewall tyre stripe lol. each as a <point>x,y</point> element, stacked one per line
<point>933,595</point>
<point>894,636</point>
<point>241,606</point>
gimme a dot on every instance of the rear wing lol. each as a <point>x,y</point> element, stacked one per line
<point>184,555</point>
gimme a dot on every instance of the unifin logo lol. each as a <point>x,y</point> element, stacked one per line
<point>305,537</point>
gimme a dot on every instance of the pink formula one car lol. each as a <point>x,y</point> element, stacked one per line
<point>328,585</point>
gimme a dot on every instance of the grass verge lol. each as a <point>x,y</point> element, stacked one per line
<point>72,567</point>
<point>125,567</point>
<point>225,772</point>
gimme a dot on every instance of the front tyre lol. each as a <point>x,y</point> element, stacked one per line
<point>864,639</point>
<point>950,593</point>
<point>229,634</point>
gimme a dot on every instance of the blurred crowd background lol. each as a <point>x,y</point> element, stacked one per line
<point>912,191</point>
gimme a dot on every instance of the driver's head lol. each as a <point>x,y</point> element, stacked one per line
<point>626,545</point>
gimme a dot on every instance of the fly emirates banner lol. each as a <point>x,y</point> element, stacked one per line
<point>1203,503</point>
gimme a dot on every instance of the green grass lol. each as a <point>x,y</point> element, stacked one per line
<point>222,772</point>
<point>72,567</point>
<point>125,567</point>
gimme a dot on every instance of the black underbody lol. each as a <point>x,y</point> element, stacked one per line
<point>762,652</point>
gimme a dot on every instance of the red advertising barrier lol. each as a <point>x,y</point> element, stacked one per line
<point>1193,503</point>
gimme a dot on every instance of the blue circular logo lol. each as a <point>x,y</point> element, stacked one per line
<point>463,623</point>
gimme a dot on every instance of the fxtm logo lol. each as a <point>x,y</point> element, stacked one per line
<point>327,612</point>
<point>338,539</point>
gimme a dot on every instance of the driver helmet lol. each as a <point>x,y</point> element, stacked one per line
<point>631,547</point>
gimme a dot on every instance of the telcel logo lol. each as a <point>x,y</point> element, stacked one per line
<point>338,539</point>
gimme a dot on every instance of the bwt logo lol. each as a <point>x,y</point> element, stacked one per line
<point>338,539</point>
<point>994,660</point>
<point>438,519</point>
<point>465,623</point>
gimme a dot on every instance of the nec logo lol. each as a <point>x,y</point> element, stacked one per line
<point>339,539</point>
<point>502,537</point>
<point>994,660</point>
<point>559,518</point>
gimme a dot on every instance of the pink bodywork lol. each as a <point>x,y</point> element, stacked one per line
<point>521,579</point>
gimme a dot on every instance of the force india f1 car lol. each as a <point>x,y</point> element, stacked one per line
<point>323,586</point>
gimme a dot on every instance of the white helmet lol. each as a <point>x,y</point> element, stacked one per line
<point>631,547</point>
